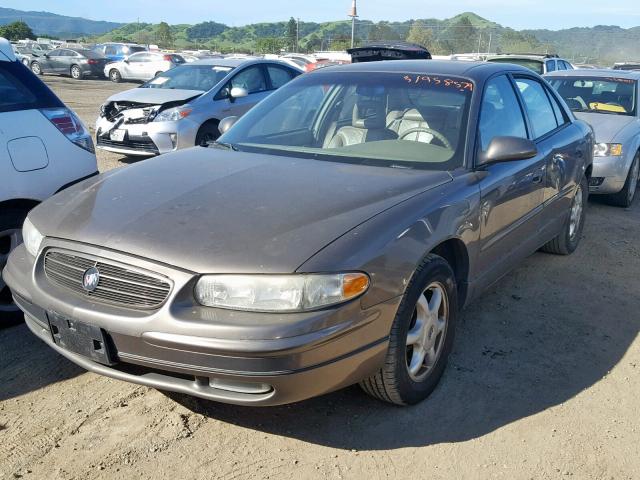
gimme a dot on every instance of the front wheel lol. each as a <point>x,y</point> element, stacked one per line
<point>114,75</point>
<point>569,237</point>
<point>76,73</point>
<point>624,198</point>
<point>421,337</point>
<point>36,68</point>
<point>207,134</point>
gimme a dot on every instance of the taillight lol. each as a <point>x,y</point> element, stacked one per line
<point>70,126</point>
<point>92,61</point>
<point>167,58</point>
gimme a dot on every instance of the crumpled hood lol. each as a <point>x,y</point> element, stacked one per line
<point>209,210</point>
<point>156,96</point>
<point>606,126</point>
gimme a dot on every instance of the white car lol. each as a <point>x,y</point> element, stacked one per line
<point>142,66</point>
<point>44,148</point>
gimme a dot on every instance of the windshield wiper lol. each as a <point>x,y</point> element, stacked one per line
<point>226,146</point>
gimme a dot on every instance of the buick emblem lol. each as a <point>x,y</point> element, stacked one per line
<point>90,279</point>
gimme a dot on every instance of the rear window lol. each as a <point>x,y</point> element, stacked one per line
<point>22,90</point>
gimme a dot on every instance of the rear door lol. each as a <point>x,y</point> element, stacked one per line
<point>511,192</point>
<point>562,145</point>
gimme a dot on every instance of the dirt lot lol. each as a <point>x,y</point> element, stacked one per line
<point>544,383</point>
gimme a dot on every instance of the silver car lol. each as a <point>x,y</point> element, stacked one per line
<point>183,107</point>
<point>608,100</point>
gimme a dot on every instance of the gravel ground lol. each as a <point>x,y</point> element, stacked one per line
<point>543,383</point>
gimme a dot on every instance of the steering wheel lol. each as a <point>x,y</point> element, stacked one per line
<point>441,138</point>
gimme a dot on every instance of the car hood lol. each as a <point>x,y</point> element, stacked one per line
<point>156,96</point>
<point>606,126</point>
<point>209,210</point>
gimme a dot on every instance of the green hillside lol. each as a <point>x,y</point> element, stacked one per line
<point>45,23</point>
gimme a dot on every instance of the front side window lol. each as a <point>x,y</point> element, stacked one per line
<point>251,79</point>
<point>551,65</point>
<point>140,57</point>
<point>605,95</point>
<point>398,120</point>
<point>500,113</point>
<point>538,106</point>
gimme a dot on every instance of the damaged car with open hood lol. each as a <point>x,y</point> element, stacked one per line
<point>182,107</point>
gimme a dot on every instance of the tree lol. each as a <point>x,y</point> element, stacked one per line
<point>164,35</point>
<point>382,31</point>
<point>16,31</point>
<point>420,34</point>
<point>292,35</point>
<point>464,36</point>
<point>270,45</point>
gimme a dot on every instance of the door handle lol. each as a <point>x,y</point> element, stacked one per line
<point>537,178</point>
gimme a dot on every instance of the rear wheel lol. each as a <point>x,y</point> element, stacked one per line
<point>114,75</point>
<point>76,72</point>
<point>11,221</point>
<point>624,198</point>
<point>568,239</point>
<point>207,133</point>
<point>421,337</point>
<point>36,68</point>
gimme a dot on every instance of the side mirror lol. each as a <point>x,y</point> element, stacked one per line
<point>226,123</point>
<point>125,59</point>
<point>506,149</point>
<point>237,92</point>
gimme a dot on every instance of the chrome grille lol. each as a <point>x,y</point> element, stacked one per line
<point>118,285</point>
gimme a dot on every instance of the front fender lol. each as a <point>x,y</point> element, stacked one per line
<point>391,245</point>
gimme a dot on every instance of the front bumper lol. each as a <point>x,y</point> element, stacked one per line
<point>613,171</point>
<point>147,139</point>
<point>231,357</point>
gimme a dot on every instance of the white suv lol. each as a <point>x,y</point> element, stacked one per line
<point>44,148</point>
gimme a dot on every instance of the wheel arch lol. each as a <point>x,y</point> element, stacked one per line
<point>455,252</point>
<point>19,204</point>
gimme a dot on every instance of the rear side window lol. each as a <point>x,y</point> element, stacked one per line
<point>551,66</point>
<point>279,76</point>
<point>500,114</point>
<point>541,114</point>
<point>22,90</point>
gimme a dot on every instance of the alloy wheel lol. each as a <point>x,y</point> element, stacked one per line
<point>576,213</point>
<point>35,68</point>
<point>9,239</point>
<point>75,72</point>
<point>425,339</point>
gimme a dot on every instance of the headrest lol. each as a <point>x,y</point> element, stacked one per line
<point>413,115</point>
<point>368,114</point>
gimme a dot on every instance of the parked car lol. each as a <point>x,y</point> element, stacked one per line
<point>44,147</point>
<point>329,237</point>
<point>142,66</point>
<point>627,66</point>
<point>608,100</point>
<point>182,107</point>
<point>378,51</point>
<point>78,63</point>
<point>116,52</point>
<point>539,63</point>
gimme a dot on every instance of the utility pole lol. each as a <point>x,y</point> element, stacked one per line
<point>353,13</point>
<point>297,35</point>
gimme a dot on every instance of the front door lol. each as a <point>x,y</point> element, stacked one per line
<point>253,80</point>
<point>511,192</point>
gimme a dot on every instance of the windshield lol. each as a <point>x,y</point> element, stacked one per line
<point>597,94</point>
<point>401,120</point>
<point>535,65</point>
<point>190,77</point>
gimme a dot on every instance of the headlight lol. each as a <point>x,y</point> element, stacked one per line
<point>31,237</point>
<point>173,114</point>
<point>279,293</point>
<point>607,150</point>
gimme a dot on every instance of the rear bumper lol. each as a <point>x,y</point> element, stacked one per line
<point>229,357</point>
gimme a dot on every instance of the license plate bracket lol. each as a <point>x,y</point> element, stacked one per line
<point>87,340</point>
<point>117,135</point>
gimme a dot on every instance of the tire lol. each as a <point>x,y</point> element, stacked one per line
<point>36,68</point>
<point>624,198</point>
<point>395,382</point>
<point>11,221</point>
<point>114,75</point>
<point>208,132</point>
<point>76,72</point>
<point>569,237</point>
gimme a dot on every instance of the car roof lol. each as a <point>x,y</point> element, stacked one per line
<point>6,51</point>
<point>235,62</point>
<point>528,56</point>
<point>473,70</point>
<point>601,72</point>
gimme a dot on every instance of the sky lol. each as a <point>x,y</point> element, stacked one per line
<point>519,14</point>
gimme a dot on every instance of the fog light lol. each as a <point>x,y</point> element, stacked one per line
<point>174,139</point>
<point>240,387</point>
<point>596,181</point>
